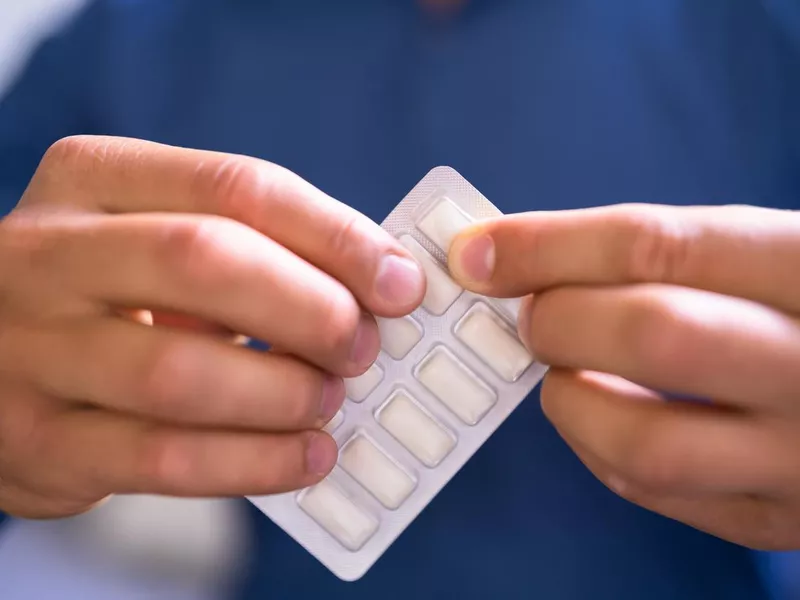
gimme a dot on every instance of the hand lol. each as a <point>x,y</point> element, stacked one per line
<point>113,235</point>
<point>637,305</point>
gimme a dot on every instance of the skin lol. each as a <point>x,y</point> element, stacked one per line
<point>129,270</point>
<point>127,273</point>
<point>635,306</point>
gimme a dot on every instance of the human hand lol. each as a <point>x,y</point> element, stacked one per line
<point>699,303</point>
<point>115,234</point>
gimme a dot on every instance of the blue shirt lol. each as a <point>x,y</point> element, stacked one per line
<point>544,104</point>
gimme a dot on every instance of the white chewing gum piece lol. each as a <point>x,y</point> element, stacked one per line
<point>338,515</point>
<point>415,429</point>
<point>376,472</point>
<point>455,386</point>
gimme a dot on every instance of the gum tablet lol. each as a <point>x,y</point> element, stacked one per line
<point>443,222</point>
<point>358,388</point>
<point>376,472</point>
<point>351,525</point>
<point>510,306</point>
<point>483,332</point>
<point>455,386</point>
<point>441,290</point>
<point>399,336</point>
<point>415,429</point>
<point>447,376</point>
<point>335,422</point>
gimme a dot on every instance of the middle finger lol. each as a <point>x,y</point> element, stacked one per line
<point>670,448</point>
<point>171,376</point>
<point>672,339</point>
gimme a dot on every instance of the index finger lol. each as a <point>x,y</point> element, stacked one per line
<point>742,251</point>
<point>118,175</point>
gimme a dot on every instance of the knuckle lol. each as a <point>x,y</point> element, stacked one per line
<point>162,462</point>
<point>163,388</point>
<point>67,152</point>
<point>77,153</point>
<point>340,237</point>
<point>72,161</point>
<point>234,187</point>
<point>198,252</point>
<point>654,331</point>
<point>168,461</point>
<point>649,463</point>
<point>660,248</point>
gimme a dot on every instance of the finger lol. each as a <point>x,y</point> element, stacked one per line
<point>741,251</point>
<point>750,521</point>
<point>177,377</point>
<point>669,448</point>
<point>217,270</point>
<point>24,504</point>
<point>670,338</point>
<point>123,175</point>
<point>108,453</point>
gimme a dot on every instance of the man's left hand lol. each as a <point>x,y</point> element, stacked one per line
<point>674,340</point>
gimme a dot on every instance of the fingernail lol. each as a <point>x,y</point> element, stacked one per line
<point>366,343</point>
<point>321,454</point>
<point>332,397</point>
<point>475,259</point>
<point>399,281</point>
<point>524,322</point>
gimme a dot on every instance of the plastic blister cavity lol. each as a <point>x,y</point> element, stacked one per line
<point>416,429</point>
<point>447,376</point>
<point>360,388</point>
<point>441,290</point>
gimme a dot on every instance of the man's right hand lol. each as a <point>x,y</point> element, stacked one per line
<point>124,271</point>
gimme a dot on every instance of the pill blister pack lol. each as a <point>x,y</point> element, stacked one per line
<point>447,376</point>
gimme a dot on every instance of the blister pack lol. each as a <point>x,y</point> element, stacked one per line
<point>447,376</point>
